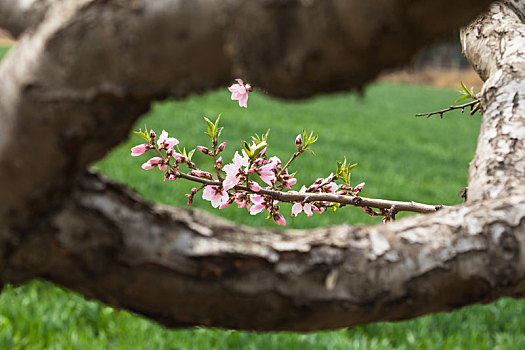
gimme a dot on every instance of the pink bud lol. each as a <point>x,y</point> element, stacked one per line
<point>291,182</point>
<point>299,140</point>
<point>254,186</point>
<point>152,134</point>
<point>147,166</point>
<point>190,199</point>
<point>194,190</point>
<point>204,150</point>
<point>359,187</point>
<point>279,219</point>
<point>178,157</point>
<point>218,164</point>
<point>200,173</point>
<point>138,150</point>
<point>221,146</point>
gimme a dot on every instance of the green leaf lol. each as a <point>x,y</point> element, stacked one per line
<point>217,122</point>
<point>462,98</point>
<point>465,90</point>
<point>259,149</point>
<point>142,135</point>
<point>191,154</point>
<point>211,128</point>
<point>247,149</point>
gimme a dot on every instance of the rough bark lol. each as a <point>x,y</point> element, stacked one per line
<point>185,268</point>
<point>495,44</point>
<point>18,16</point>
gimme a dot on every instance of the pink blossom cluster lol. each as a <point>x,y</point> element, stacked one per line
<point>252,179</point>
<point>245,172</point>
<point>323,185</point>
<point>241,180</point>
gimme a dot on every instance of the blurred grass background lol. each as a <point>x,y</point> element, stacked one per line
<point>400,157</point>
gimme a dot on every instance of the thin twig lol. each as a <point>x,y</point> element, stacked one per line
<point>474,105</point>
<point>295,155</point>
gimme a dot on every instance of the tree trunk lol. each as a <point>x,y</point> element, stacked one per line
<point>184,268</point>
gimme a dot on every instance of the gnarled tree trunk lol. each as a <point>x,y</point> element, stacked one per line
<point>181,268</point>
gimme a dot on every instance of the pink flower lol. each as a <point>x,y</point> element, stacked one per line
<point>266,173</point>
<point>242,200</point>
<point>227,204</point>
<point>289,183</point>
<point>152,163</point>
<point>240,92</point>
<point>138,150</point>
<point>259,204</point>
<point>216,195</point>
<point>254,186</point>
<point>299,207</point>
<point>332,187</point>
<point>359,187</point>
<point>233,171</point>
<point>279,219</point>
<point>275,160</point>
<point>166,142</point>
<point>178,157</point>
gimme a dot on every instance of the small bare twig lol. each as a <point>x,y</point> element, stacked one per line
<point>295,155</point>
<point>474,106</point>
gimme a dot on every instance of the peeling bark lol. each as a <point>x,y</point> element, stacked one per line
<point>70,80</point>
<point>495,44</point>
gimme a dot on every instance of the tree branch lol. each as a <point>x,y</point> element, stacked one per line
<point>184,268</point>
<point>16,16</point>
<point>295,197</point>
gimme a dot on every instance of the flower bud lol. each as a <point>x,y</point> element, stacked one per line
<point>218,164</point>
<point>291,182</point>
<point>299,141</point>
<point>279,219</point>
<point>138,150</point>
<point>200,173</point>
<point>204,150</point>
<point>359,187</point>
<point>221,147</point>
<point>190,198</point>
<point>254,186</point>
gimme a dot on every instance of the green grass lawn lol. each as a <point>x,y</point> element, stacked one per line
<point>400,157</point>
